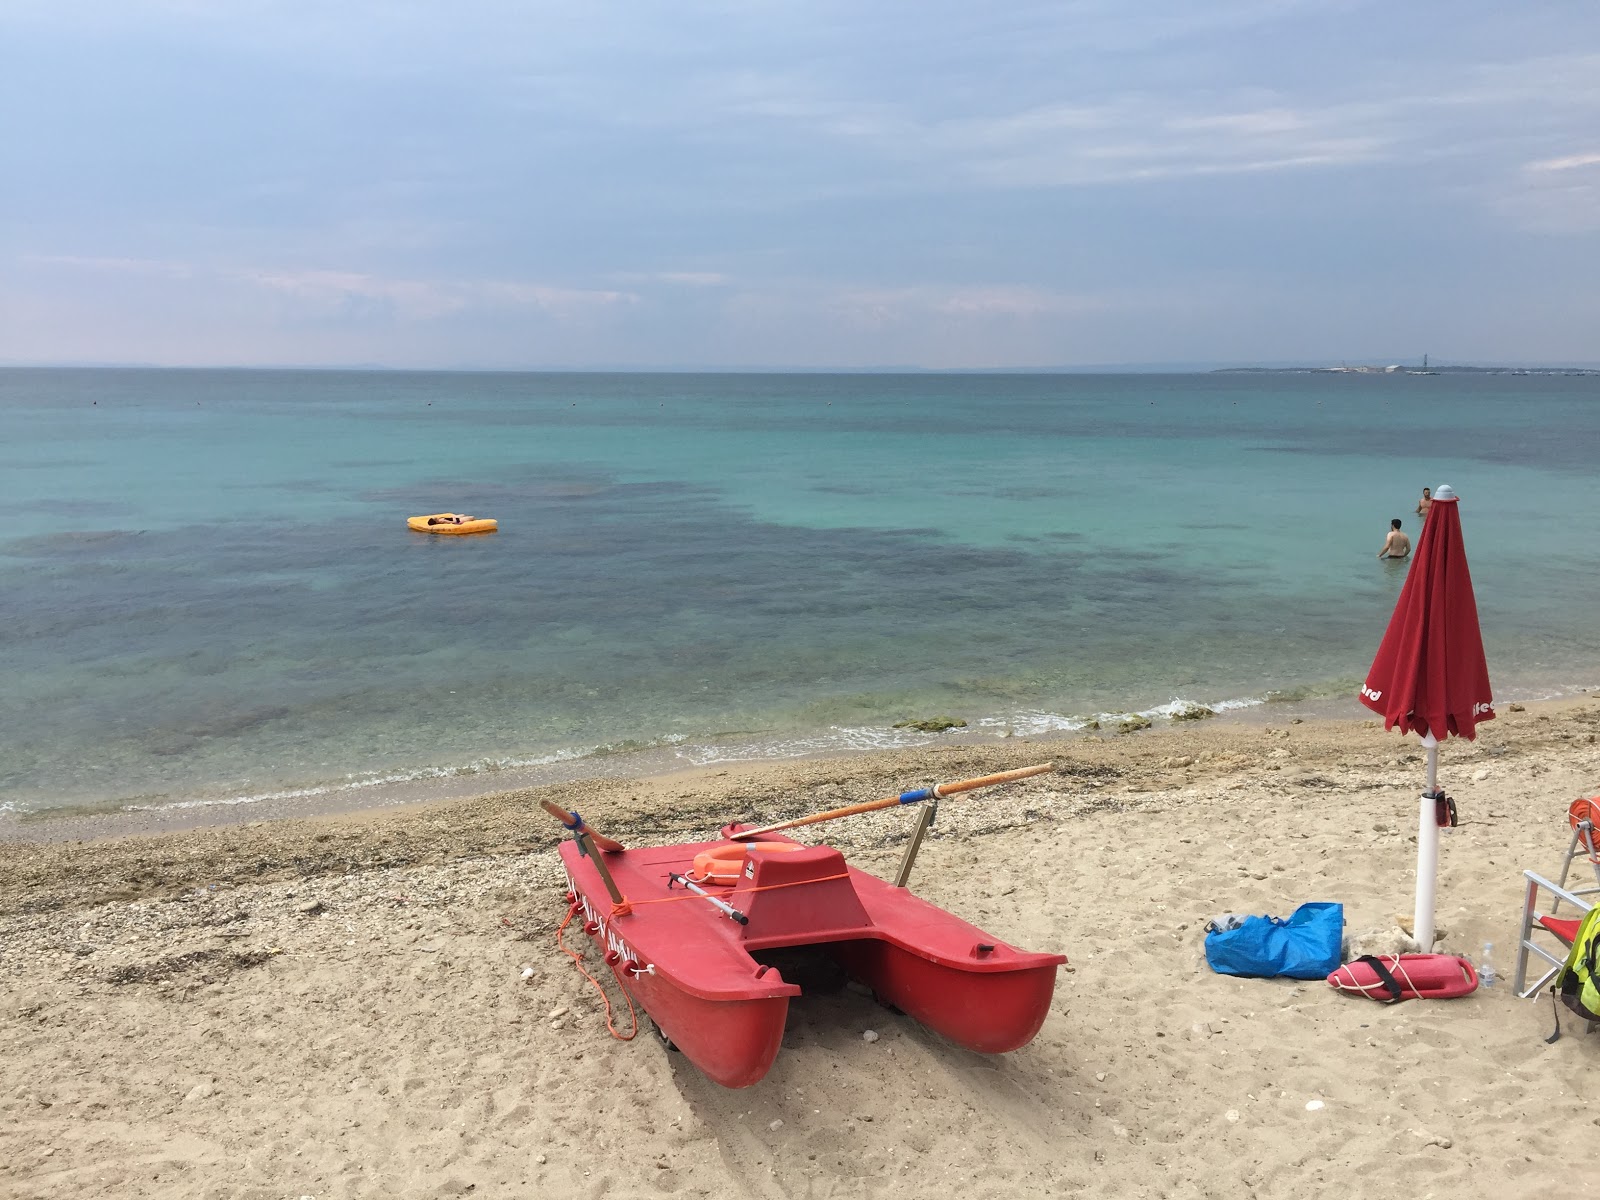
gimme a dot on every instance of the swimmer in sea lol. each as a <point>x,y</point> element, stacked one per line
<point>1425,504</point>
<point>1397,544</point>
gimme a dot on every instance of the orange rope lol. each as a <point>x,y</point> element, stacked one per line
<point>766,887</point>
<point>577,961</point>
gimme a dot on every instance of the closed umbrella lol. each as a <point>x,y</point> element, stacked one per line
<point>1429,676</point>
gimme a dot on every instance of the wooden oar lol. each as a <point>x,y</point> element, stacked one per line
<point>938,791</point>
<point>578,825</point>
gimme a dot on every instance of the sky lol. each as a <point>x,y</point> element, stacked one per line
<point>507,184</point>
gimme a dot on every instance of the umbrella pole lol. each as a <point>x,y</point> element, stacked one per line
<point>1427,851</point>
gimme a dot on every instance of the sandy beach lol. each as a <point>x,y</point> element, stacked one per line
<point>343,1006</point>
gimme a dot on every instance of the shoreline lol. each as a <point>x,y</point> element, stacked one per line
<point>410,786</point>
<point>87,823</point>
<point>698,800</point>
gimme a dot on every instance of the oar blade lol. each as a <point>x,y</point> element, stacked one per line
<point>578,825</point>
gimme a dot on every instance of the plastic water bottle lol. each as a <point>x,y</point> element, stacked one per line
<point>1486,972</point>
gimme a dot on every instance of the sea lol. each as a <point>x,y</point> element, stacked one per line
<point>210,599</point>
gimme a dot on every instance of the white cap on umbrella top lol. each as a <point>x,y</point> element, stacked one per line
<point>1445,492</point>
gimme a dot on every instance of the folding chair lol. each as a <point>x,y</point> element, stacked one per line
<point>1563,930</point>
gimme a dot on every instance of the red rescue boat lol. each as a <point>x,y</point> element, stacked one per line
<point>692,957</point>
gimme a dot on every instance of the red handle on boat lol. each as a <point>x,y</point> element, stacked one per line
<point>578,825</point>
<point>936,792</point>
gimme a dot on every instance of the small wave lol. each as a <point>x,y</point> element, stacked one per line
<point>833,741</point>
<point>1177,706</point>
<point>704,752</point>
<point>1024,723</point>
<point>1032,723</point>
<point>353,783</point>
<point>626,746</point>
<point>1527,695</point>
<point>1325,689</point>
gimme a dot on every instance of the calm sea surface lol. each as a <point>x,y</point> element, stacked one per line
<point>208,593</point>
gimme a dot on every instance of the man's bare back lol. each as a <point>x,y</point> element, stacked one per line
<point>1397,544</point>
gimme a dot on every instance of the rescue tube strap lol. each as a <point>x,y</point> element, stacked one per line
<point>1390,983</point>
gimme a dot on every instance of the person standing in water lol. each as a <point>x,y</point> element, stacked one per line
<point>1425,504</point>
<point>1397,544</point>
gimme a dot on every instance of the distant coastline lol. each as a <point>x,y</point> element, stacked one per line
<point>1398,369</point>
<point>582,369</point>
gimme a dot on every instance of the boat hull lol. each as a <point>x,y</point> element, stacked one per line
<point>733,1042</point>
<point>697,973</point>
<point>991,1013</point>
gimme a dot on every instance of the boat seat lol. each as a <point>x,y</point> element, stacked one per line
<point>1534,937</point>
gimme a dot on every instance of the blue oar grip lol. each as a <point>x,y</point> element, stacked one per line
<point>919,794</point>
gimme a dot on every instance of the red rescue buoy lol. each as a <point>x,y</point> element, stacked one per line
<point>1395,977</point>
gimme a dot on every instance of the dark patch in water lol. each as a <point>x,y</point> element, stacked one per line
<point>46,464</point>
<point>490,497</point>
<point>73,542</point>
<point>1033,493</point>
<point>321,487</point>
<point>340,622</point>
<point>80,508</point>
<point>231,724</point>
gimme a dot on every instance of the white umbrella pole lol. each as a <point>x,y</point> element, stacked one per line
<point>1427,851</point>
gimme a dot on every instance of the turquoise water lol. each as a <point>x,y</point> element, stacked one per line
<point>209,593</point>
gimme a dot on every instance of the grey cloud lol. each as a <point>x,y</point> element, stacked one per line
<point>813,181</point>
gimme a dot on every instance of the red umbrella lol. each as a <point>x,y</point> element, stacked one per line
<point>1429,676</point>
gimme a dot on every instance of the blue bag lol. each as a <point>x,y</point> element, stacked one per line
<point>1306,946</point>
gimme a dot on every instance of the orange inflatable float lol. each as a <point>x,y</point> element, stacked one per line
<point>452,523</point>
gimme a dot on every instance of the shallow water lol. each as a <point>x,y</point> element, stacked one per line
<point>209,593</point>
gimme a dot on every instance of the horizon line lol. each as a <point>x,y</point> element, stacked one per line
<point>1177,368</point>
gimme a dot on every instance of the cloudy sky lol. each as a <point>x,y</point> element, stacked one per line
<point>805,183</point>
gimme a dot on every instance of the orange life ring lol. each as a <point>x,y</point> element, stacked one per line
<point>1586,810</point>
<point>723,864</point>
